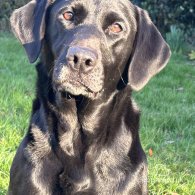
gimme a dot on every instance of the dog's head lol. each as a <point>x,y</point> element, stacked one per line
<point>93,44</point>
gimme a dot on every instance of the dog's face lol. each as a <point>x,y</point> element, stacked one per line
<point>92,43</point>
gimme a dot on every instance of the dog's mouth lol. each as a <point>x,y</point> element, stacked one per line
<point>75,90</point>
<point>79,99</point>
<point>69,96</point>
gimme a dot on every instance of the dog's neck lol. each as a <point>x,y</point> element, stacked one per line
<point>87,114</point>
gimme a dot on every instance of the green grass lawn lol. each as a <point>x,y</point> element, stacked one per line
<point>167,122</point>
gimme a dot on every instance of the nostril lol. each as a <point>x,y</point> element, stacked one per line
<point>89,62</point>
<point>79,57</point>
<point>75,60</point>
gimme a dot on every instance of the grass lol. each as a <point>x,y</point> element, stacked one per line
<point>167,123</point>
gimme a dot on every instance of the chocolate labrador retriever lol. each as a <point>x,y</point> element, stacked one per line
<point>83,136</point>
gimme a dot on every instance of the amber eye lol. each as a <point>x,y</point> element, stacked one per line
<point>68,15</point>
<point>114,28</point>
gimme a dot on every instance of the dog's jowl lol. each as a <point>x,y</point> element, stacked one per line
<point>83,134</point>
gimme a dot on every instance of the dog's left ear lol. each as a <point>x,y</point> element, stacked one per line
<point>150,54</point>
<point>28,25</point>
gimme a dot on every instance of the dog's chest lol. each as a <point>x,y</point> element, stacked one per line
<point>101,169</point>
<point>99,175</point>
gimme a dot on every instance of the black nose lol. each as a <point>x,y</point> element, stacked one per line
<point>81,58</point>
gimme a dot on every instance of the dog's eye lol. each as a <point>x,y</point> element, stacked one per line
<point>114,28</point>
<point>68,15</point>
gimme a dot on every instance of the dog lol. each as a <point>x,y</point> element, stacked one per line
<point>83,137</point>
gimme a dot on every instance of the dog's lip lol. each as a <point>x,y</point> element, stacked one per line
<point>69,93</point>
<point>88,89</point>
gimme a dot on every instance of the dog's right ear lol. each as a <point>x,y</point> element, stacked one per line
<point>28,25</point>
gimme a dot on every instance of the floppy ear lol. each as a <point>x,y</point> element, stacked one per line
<point>28,25</point>
<point>150,54</point>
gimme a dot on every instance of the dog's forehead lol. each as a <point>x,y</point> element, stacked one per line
<point>95,5</point>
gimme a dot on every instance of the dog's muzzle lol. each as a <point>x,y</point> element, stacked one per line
<point>80,73</point>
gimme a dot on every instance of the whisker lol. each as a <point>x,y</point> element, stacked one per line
<point>121,77</point>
